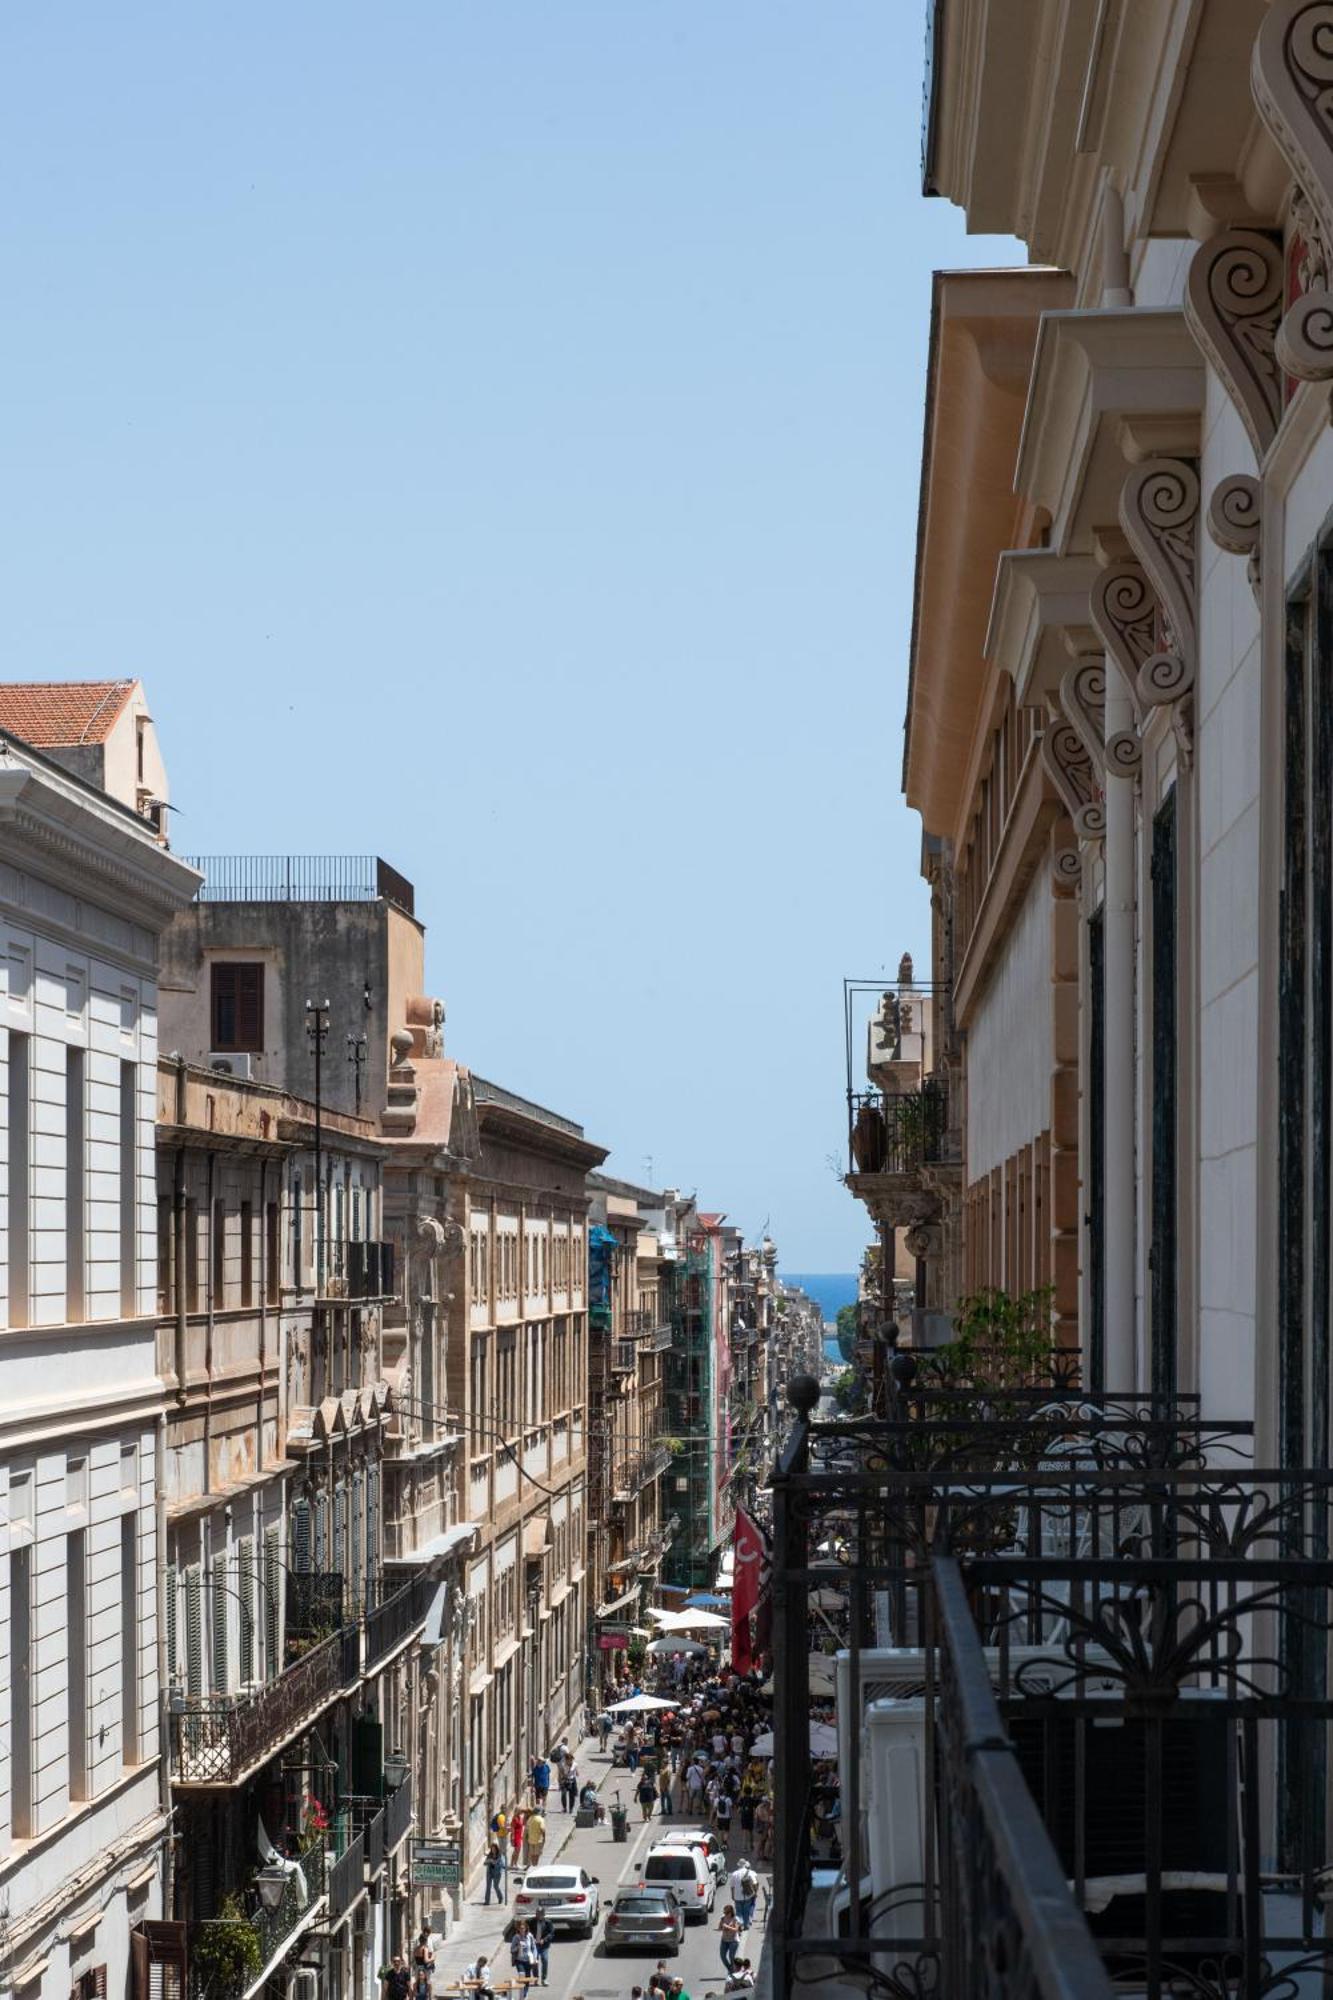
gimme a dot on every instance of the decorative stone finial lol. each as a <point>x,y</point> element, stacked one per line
<point>803,1393</point>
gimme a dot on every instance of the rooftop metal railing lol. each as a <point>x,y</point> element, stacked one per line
<point>300,878</point>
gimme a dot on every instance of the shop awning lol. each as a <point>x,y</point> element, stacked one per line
<point>536,1537</point>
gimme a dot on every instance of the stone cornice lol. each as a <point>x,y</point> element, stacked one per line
<point>1094,374</point>
<point>91,851</point>
<point>1039,596</point>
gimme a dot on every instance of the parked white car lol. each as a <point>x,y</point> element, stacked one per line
<point>568,1896</point>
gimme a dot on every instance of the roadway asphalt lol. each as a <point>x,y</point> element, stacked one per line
<point>584,1968</point>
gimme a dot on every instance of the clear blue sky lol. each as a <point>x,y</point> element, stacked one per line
<point>492,431</point>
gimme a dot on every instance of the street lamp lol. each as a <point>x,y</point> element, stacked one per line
<point>271,1883</point>
<point>395,1769</point>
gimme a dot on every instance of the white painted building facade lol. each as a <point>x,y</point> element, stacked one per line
<point>85,889</point>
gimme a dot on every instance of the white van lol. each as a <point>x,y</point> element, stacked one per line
<point>684,1870</point>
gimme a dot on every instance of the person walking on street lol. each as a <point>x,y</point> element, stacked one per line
<point>633,1741</point>
<point>495,1873</point>
<point>664,1790</point>
<point>730,1928</point>
<point>396,1980</point>
<point>516,1828</point>
<point>535,1832</point>
<point>541,1782</point>
<point>744,1886</point>
<point>722,1816</point>
<point>604,1728</point>
<point>569,1783</point>
<point>543,1936</point>
<point>646,1792</point>
<point>523,1953</point>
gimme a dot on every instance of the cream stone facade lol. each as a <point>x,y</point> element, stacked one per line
<point>1116,726</point>
<point>85,890</point>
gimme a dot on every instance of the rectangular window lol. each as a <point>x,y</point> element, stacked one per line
<point>129,1207</point>
<point>218,1615</point>
<point>20,1686</point>
<point>218,1245</point>
<point>76,1224</point>
<point>1162,1250</point>
<point>273,1254</point>
<point>129,1638</point>
<point>238,1008</point>
<point>246,1580</point>
<point>191,1256</point>
<point>19,1178</point>
<point>247,1254</point>
<point>76,1657</point>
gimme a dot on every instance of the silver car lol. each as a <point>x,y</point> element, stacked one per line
<point>645,1917</point>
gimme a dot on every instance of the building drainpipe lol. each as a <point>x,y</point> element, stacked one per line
<point>1121,1344</point>
<point>210,1325</point>
<point>163,1683</point>
<point>182,1301</point>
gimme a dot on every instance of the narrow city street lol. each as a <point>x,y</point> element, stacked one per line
<point>584,1967</point>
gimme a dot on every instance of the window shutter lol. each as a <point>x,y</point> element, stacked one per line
<point>194,1642</point>
<point>372,1520</point>
<point>272,1578</point>
<point>300,1535</point>
<point>219,1624</point>
<point>169,1609</point>
<point>322,1533</point>
<point>358,1523</point>
<point>340,1531</point>
<point>246,1580</point>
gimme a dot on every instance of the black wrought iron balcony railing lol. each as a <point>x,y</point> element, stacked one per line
<point>1113,1657</point>
<point>224,1739</point>
<point>398,1816</point>
<point>307,1885</point>
<point>393,1620</point>
<point>900,1132</point>
<point>347,1876</point>
<point>624,1357</point>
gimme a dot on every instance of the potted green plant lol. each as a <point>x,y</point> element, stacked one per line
<point>226,1950</point>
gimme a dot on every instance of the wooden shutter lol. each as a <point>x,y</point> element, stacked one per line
<point>322,1532</point>
<point>372,1520</point>
<point>247,1579</point>
<point>238,1007</point>
<point>358,1524</point>
<point>194,1640</point>
<point>301,1535</point>
<point>272,1579</point>
<point>169,1611</point>
<point>219,1624</point>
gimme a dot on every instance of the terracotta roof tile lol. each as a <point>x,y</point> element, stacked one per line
<point>46,713</point>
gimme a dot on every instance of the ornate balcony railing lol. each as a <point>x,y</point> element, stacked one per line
<point>347,1877</point>
<point>388,1624</point>
<point>222,1740</point>
<point>1099,1633</point>
<point>900,1132</point>
<point>304,1893</point>
<point>624,1358</point>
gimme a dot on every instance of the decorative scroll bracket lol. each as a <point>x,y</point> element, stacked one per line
<point>1159,512</point>
<point>1235,520</point>
<point>1123,611</point>
<point>1083,699</point>
<point>1233,303</point>
<point>1067,871</point>
<point>1070,770</point>
<point>1291,80</point>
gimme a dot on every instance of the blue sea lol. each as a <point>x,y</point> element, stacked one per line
<point>830,1289</point>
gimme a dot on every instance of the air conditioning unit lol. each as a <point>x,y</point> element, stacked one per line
<point>230,1062</point>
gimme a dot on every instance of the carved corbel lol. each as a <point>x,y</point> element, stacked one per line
<point>1233,303</point>
<point>1291,79</point>
<point>1123,615</point>
<point>1159,512</point>
<point>1070,770</point>
<point>1235,519</point>
<point>1083,699</point>
<point>1067,871</point>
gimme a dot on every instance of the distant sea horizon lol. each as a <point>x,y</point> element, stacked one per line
<point>829,1290</point>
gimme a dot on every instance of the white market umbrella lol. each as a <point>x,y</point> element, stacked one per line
<point>676,1644</point>
<point>638,1704</point>
<point>821,1676</point>
<point>823,1742</point>
<point>696,1621</point>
